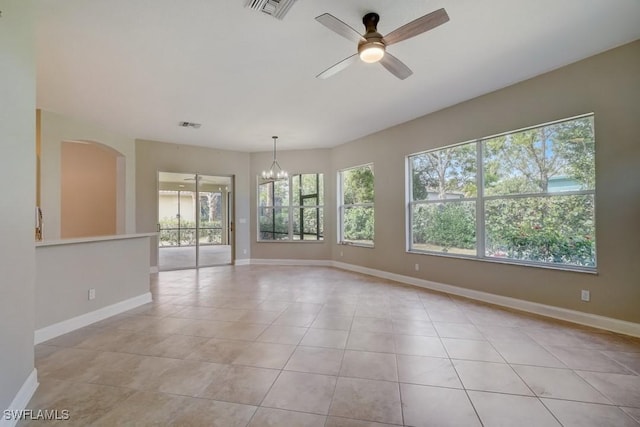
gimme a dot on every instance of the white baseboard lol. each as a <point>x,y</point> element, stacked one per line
<point>66,326</point>
<point>21,399</point>
<point>243,261</point>
<point>587,319</point>
<point>294,262</point>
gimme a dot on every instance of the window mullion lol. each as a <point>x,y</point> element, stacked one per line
<point>480,225</point>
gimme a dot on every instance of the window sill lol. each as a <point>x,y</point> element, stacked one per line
<point>572,269</point>
<point>359,245</point>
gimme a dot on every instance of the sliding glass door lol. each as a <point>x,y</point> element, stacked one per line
<point>194,220</point>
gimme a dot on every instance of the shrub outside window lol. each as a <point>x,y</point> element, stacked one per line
<point>291,209</point>
<point>356,206</point>
<point>524,197</point>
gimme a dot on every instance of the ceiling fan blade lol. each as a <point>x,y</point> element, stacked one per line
<point>337,26</point>
<point>395,66</point>
<point>419,26</point>
<point>336,68</point>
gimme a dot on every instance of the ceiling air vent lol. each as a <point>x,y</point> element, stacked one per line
<point>190,125</point>
<point>275,8</point>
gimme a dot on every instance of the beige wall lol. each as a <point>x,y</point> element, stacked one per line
<point>116,269</point>
<point>55,129</point>
<point>17,218</point>
<point>294,162</point>
<point>607,85</point>
<point>88,190</point>
<point>154,157</point>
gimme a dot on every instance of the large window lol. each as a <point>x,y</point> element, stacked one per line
<point>525,197</point>
<point>291,209</point>
<point>355,210</point>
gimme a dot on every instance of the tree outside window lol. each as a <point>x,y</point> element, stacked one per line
<point>525,196</point>
<point>356,208</point>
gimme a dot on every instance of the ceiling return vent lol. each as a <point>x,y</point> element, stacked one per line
<point>276,8</point>
<point>191,125</point>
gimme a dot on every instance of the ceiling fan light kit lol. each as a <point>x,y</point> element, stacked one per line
<point>372,46</point>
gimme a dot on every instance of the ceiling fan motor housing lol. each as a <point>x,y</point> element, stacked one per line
<point>373,42</point>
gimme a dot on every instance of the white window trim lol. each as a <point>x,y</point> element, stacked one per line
<point>290,208</point>
<point>341,208</point>
<point>480,200</point>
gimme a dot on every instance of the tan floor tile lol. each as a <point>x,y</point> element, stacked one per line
<point>269,417</point>
<point>526,353</point>
<point>301,319</point>
<point>427,371</point>
<point>85,402</point>
<point>202,323</point>
<point>372,324</point>
<point>298,391</point>
<point>458,330</point>
<point>436,406</point>
<point>66,364</point>
<point>559,384</point>
<point>266,317</point>
<point>282,334</point>
<point>327,321</point>
<point>488,376</point>
<point>186,377</point>
<point>369,341</point>
<point>107,340</point>
<point>240,384</point>
<point>240,331</point>
<point>174,346</point>
<point>203,328</point>
<point>265,355</point>
<point>504,333</point>
<point>497,409</point>
<point>633,413</point>
<point>218,351</point>
<point>579,414</point>
<point>451,315</point>
<point>622,390</point>
<point>127,370</point>
<point>587,360</point>
<point>325,338</point>
<point>209,413</point>
<point>419,346</point>
<point>627,359</point>
<point>149,408</point>
<point>471,350</point>
<point>348,422</point>
<point>367,400</point>
<point>414,327</point>
<point>373,366</point>
<point>73,338</point>
<point>315,360</point>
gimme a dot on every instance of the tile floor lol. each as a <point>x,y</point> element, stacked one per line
<point>299,346</point>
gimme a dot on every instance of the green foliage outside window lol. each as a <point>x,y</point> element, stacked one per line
<point>183,233</point>
<point>357,205</point>
<point>537,197</point>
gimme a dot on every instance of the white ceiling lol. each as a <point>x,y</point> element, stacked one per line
<point>138,67</point>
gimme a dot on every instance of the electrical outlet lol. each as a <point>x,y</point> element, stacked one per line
<point>244,251</point>
<point>92,294</point>
<point>417,267</point>
<point>585,295</point>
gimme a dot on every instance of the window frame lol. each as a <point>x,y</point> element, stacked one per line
<point>291,207</point>
<point>481,199</point>
<point>341,206</point>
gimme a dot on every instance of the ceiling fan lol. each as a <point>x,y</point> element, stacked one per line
<point>372,45</point>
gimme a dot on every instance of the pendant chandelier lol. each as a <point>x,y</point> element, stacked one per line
<point>275,171</point>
